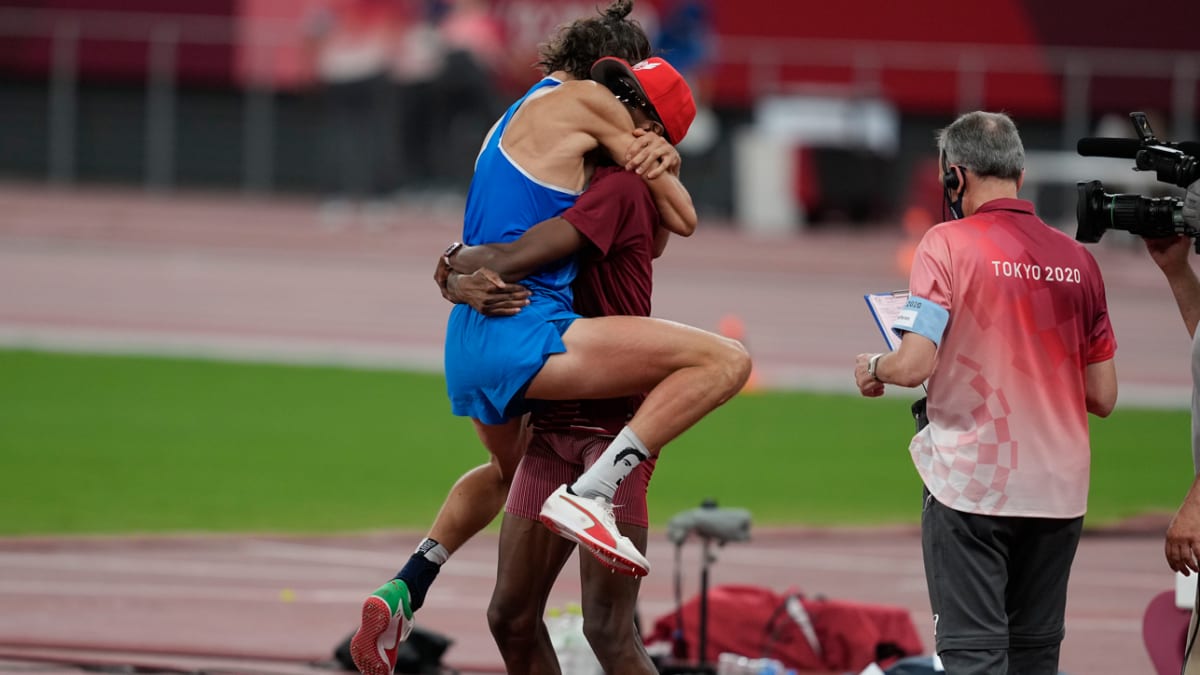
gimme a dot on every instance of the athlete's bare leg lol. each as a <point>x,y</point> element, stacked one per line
<point>530,559</point>
<point>474,501</point>
<point>479,494</point>
<point>688,372</point>
<point>609,606</point>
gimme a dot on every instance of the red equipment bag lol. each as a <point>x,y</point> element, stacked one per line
<point>803,633</point>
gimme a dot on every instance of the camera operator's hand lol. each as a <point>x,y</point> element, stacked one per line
<point>1191,205</point>
<point>1170,253</point>
<point>1183,535</point>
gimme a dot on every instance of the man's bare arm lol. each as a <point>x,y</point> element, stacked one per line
<point>1100,383</point>
<point>1171,256</point>
<point>911,364</point>
<point>544,243</point>
<point>650,156</point>
<point>608,121</point>
<point>674,204</point>
<point>1183,535</point>
<point>484,290</point>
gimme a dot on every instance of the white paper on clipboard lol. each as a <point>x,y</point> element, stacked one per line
<point>885,309</point>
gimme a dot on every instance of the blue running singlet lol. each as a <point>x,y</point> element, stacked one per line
<point>490,361</point>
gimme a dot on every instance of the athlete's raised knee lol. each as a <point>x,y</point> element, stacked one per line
<point>732,365</point>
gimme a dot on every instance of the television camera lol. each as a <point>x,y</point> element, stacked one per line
<point>1152,217</point>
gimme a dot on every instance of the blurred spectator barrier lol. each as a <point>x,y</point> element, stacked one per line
<point>53,41</point>
<point>856,74</point>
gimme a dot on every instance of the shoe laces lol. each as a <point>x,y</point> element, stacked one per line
<point>606,514</point>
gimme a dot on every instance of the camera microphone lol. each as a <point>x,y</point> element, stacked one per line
<point>1124,148</point>
<point>1127,148</point>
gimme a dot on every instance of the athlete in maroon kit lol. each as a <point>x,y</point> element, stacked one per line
<point>613,226</point>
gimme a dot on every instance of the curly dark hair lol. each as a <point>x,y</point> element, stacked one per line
<point>579,44</point>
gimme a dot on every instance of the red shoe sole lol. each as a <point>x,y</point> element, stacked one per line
<point>613,561</point>
<point>363,646</point>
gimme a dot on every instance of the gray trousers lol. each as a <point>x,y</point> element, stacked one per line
<point>998,589</point>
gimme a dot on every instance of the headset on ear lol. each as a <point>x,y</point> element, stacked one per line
<point>951,178</point>
<point>954,180</point>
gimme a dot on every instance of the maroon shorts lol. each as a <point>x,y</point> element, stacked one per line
<point>557,457</point>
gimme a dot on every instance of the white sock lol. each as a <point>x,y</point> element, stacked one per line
<point>620,457</point>
<point>433,551</point>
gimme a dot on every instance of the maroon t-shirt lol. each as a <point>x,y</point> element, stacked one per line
<point>618,217</point>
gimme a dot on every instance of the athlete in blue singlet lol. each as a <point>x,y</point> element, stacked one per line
<point>544,351</point>
<point>488,361</point>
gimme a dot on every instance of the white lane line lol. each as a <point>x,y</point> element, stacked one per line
<point>328,565</point>
<point>369,352</point>
<point>802,559</point>
<point>797,558</point>
<point>91,562</point>
<point>349,557</point>
<point>175,592</point>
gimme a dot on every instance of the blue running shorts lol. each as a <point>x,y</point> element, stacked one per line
<point>490,361</point>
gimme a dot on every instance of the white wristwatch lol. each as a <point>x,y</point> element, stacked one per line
<point>872,364</point>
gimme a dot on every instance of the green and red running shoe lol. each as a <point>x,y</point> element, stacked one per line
<point>387,619</point>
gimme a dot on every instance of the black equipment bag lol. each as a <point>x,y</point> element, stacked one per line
<point>420,654</point>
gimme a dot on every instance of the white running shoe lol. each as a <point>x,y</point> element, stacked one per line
<point>589,522</point>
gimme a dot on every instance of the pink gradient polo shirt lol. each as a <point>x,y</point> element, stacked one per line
<point>1018,312</point>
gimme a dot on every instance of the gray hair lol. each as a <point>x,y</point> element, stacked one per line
<point>986,143</point>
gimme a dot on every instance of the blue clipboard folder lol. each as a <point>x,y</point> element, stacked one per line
<point>885,309</point>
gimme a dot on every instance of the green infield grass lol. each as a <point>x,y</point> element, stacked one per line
<point>105,444</point>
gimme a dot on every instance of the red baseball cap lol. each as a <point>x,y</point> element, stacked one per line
<point>667,95</point>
